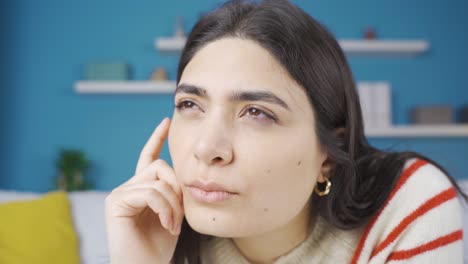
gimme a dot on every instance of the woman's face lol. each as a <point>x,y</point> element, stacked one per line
<point>243,123</point>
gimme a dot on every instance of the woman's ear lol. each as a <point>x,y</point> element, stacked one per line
<point>325,170</point>
<point>327,164</point>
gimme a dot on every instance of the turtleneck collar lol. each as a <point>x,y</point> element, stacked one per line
<point>311,250</point>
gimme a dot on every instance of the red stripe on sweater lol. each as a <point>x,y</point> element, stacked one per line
<point>403,178</point>
<point>435,201</point>
<point>436,243</point>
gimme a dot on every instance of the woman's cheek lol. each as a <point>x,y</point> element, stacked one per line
<point>176,143</point>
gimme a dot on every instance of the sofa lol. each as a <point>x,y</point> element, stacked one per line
<point>87,209</point>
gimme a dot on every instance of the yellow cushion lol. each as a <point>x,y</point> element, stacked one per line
<point>38,231</point>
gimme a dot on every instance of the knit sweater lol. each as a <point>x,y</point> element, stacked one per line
<point>420,222</point>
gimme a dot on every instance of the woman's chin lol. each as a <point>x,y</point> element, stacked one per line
<point>213,222</point>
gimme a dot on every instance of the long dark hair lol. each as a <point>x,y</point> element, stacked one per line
<point>362,176</point>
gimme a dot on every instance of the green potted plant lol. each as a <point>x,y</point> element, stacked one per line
<point>72,165</point>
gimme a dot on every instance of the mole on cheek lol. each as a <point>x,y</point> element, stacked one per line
<point>299,163</point>
<point>265,209</point>
<point>268,170</point>
<point>214,219</point>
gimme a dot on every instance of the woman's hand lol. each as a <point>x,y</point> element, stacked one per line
<point>144,215</point>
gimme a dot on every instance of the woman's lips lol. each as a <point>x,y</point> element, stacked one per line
<point>209,196</point>
<point>209,192</point>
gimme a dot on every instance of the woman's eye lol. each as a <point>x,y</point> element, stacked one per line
<point>260,115</point>
<point>186,105</point>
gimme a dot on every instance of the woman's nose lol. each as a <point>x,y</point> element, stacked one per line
<point>214,147</point>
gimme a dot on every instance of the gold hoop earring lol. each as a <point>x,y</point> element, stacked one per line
<point>327,188</point>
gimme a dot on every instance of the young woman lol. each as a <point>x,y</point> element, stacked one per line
<point>270,161</point>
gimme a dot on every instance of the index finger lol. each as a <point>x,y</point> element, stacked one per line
<point>153,146</point>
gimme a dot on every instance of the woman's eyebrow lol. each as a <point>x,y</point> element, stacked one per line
<point>190,89</point>
<point>264,96</point>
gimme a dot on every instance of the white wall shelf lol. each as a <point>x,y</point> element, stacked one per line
<point>351,46</point>
<point>173,44</point>
<point>384,47</point>
<point>449,130</point>
<point>125,87</point>
<point>158,87</point>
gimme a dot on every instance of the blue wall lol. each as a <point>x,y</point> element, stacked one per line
<point>48,42</point>
<point>5,17</point>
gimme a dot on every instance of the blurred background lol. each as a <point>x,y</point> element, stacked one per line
<point>48,46</point>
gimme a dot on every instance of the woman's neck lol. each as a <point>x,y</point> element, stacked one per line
<point>267,247</point>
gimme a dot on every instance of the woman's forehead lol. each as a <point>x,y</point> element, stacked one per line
<point>236,61</point>
<point>232,65</point>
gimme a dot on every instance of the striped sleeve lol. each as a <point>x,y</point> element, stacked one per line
<point>421,221</point>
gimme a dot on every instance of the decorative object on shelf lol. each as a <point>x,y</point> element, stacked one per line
<point>107,71</point>
<point>72,166</point>
<point>179,28</point>
<point>160,74</point>
<point>376,103</point>
<point>463,114</point>
<point>432,114</point>
<point>369,33</point>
